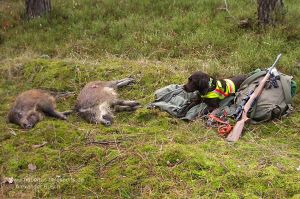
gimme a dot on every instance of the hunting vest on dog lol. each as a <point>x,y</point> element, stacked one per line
<point>220,92</point>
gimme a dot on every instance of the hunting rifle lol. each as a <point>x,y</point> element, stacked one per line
<point>238,128</point>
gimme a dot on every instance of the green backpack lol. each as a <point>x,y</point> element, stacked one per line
<point>273,102</point>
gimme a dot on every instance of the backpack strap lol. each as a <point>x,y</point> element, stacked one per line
<point>252,77</point>
<point>286,86</point>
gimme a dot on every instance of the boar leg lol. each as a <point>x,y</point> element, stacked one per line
<point>122,82</point>
<point>119,108</point>
<point>50,111</point>
<point>125,105</point>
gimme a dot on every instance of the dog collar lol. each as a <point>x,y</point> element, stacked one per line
<point>210,83</point>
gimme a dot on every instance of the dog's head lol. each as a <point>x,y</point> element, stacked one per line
<point>201,82</point>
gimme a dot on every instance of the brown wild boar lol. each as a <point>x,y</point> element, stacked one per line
<point>31,106</point>
<point>98,100</point>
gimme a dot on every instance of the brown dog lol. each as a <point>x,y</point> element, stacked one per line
<point>31,106</point>
<point>211,90</point>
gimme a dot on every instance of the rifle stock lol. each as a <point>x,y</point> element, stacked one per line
<point>236,131</point>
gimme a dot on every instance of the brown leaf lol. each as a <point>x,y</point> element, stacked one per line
<point>31,167</point>
<point>39,145</point>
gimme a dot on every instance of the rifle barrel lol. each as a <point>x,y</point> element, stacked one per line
<point>275,63</point>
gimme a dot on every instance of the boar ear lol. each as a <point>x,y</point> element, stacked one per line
<point>14,115</point>
<point>10,116</point>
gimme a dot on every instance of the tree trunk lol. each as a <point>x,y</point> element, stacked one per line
<point>37,8</point>
<point>269,11</point>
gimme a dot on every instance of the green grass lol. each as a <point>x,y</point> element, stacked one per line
<point>158,43</point>
<point>152,30</point>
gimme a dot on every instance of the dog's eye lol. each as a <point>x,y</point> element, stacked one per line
<point>190,79</point>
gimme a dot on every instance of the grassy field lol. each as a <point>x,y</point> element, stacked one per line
<point>150,154</point>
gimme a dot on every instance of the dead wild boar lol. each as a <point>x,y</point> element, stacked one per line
<point>31,106</point>
<point>98,100</point>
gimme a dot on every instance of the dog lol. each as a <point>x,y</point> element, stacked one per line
<point>211,90</point>
<point>98,100</point>
<point>31,106</point>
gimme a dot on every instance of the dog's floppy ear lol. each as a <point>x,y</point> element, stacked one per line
<point>203,84</point>
<point>207,84</point>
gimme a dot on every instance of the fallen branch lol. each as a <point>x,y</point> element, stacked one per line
<point>105,142</point>
<point>111,160</point>
<point>39,145</point>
